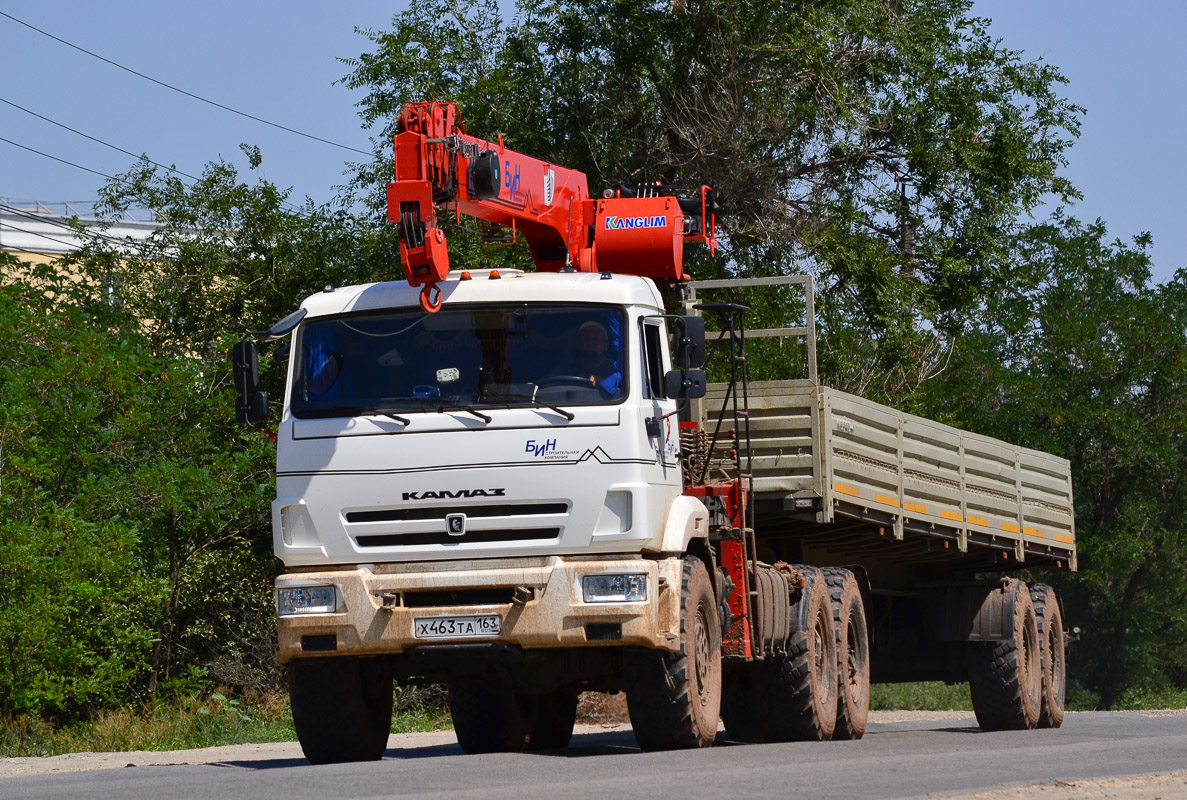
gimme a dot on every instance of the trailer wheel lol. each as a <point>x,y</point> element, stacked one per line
<point>342,708</point>
<point>1005,678</point>
<point>795,694</point>
<point>853,654</point>
<point>490,719</point>
<point>674,699</point>
<point>556,714</point>
<point>737,707</point>
<point>1050,622</point>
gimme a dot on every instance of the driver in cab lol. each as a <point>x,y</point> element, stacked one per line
<point>590,360</point>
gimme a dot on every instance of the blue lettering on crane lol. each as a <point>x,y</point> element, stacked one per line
<point>511,178</point>
<point>627,223</point>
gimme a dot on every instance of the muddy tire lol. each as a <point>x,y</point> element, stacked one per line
<point>795,694</point>
<point>556,714</point>
<point>1005,678</point>
<point>853,654</point>
<point>674,699</point>
<point>342,708</point>
<point>1050,622</point>
<point>490,719</point>
<point>737,707</point>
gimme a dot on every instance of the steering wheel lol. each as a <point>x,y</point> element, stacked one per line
<point>565,380</point>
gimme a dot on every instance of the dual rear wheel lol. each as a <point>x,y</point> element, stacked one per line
<point>1019,683</point>
<point>819,688</point>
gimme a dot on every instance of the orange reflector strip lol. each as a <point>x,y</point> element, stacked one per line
<point>1063,537</point>
<point>918,509</point>
<point>889,501</point>
<point>946,514</point>
<point>849,490</point>
<point>1011,527</point>
<point>978,520</point>
<point>1035,532</point>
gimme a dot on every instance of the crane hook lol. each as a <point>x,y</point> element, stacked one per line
<point>430,298</point>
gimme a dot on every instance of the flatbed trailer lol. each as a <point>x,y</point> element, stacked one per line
<point>925,514</point>
<point>851,479</point>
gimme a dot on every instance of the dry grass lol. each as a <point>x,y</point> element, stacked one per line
<point>599,708</point>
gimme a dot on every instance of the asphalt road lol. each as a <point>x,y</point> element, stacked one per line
<point>894,760</point>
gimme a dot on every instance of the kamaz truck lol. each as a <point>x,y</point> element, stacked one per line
<point>520,485</point>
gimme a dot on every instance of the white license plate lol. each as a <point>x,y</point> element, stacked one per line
<point>453,627</point>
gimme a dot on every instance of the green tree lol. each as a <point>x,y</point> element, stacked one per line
<point>122,483</point>
<point>1086,357</point>
<point>229,256</point>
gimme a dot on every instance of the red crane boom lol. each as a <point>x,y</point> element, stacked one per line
<point>439,167</point>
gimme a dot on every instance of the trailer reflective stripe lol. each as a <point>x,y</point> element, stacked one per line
<point>918,509</point>
<point>978,521</point>
<point>1063,537</point>
<point>1011,527</point>
<point>889,501</point>
<point>1035,532</point>
<point>946,514</point>
<point>849,490</point>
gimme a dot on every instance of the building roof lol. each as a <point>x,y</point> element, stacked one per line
<point>40,228</point>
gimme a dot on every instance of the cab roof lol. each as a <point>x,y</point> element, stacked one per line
<point>482,286</point>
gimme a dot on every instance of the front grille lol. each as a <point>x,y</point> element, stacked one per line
<point>469,537</point>
<point>471,512</point>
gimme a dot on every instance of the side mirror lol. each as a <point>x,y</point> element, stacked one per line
<point>251,407</point>
<point>681,384</point>
<point>690,341</point>
<point>245,361</point>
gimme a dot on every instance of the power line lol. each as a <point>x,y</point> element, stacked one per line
<point>62,160</point>
<point>175,170</point>
<point>9,226</point>
<point>289,206</point>
<point>96,139</point>
<point>52,221</point>
<point>183,91</point>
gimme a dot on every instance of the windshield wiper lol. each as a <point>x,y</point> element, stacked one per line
<point>510,399</point>
<point>441,409</point>
<point>428,404</point>
<point>569,415</point>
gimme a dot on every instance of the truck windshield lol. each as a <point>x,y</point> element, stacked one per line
<point>476,356</point>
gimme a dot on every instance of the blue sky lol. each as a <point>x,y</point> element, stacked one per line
<point>278,61</point>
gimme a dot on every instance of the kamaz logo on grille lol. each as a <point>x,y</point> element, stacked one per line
<point>625,223</point>
<point>453,494</point>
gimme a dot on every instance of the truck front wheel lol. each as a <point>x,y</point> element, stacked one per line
<point>674,699</point>
<point>490,719</point>
<point>342,708</point>
<point>556,714</point>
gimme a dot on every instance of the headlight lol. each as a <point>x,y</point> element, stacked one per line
<point>614,588</point>
<point>306,600</point>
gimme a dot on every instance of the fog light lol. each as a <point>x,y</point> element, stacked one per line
<point>292,600</point>
<point>614,588</point>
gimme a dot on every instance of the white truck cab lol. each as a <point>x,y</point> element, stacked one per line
<point>493,489</point>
